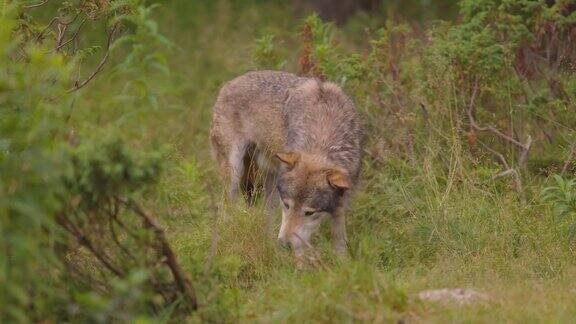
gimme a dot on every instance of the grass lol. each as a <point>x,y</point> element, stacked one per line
<point>438,221</point>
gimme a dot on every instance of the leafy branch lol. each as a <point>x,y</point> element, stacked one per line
<point>80,84</point>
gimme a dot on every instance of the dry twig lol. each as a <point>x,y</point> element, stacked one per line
<point>569,159</point>
<point>100,66</point>
<point>524,147</point>
<point>103,244</point>
<point>86,242</point>
<point>474,125</point>
<point>71,39</point>
<point>36,5</point>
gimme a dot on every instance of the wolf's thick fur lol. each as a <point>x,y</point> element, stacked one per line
<point>305,138</point>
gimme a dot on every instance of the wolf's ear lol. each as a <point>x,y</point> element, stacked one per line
<point>288,158</point>
<point>338,179</point>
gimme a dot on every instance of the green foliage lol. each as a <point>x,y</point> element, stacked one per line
<point>329,58</point>
<point>120,306</point>
<point>484,45</point>
<point>145,53</point>
<point>353,292</point>
<point>30,169</point>
<point>266,54</point>
<point>562,196</point>
<point>104,168</point>
<point>431,212</point>
<point>46,176</point>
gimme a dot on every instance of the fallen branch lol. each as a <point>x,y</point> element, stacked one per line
<point>87,243</point>
<point>508,170</point>
<point>497,154</point>
<point>525,147</point>
<point>525,150</point>
<point>170,257</point>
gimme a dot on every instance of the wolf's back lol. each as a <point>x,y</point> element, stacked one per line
<point>280,111</point>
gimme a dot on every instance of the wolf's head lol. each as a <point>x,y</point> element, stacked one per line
<point>311,188</point>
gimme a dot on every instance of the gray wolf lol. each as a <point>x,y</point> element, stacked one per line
<point>303,135</point>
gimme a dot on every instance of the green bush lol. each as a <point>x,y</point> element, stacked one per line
<point>56,185</point>
<point>562,196</point>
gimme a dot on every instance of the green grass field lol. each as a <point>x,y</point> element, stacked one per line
<point>438,221</point>
<point>428,213</point>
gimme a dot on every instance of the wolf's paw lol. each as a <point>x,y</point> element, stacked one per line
<point>341,252</point>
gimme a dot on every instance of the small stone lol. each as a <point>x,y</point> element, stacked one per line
<point>459,295</point>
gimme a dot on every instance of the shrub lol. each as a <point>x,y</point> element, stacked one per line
<point>74,244</point>
<point>562,195</point>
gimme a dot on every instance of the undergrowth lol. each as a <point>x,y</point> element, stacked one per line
<point>441,203</point>
<point>431,211</point>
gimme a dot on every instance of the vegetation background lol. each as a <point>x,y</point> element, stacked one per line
<point>111,209</point>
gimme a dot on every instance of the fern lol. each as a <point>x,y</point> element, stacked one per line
<point>562,196</point>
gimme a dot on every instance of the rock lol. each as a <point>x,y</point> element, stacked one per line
<point>459,295</point>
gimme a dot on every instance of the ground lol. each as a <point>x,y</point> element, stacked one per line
<point>413,226</point>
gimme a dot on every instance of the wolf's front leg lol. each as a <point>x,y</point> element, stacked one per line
<point>271,200</point>
<point>339,239</point>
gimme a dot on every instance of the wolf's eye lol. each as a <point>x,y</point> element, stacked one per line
<point>286,205</point>
<point>310,212</point>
